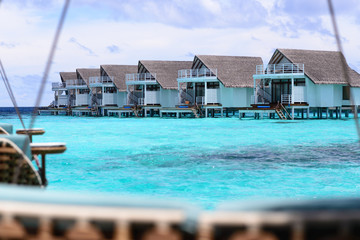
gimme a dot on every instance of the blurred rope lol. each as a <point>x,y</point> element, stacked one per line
<point>49,62</point>
<point>10,92</point>
<point>344,64</point>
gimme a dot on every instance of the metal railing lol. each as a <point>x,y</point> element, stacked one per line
<point>186,97</point>
<point>263,94</point>
<point>75,82</point>
<point>197,73</point>
<point>100,80</point>
<point>132,99</point>
<point>200,100</point>
<point>286,98</point>
<point>286,68</point>
<point>140,77</point>
<point>58,85</point>
<point>252,100</point>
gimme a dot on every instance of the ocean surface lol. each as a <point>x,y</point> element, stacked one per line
<point>203,161</point>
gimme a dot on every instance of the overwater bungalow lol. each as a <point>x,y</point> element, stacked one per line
<point>91,95</point>
<point>61,92</point>
<point>81,99</point>
<point>305,79</point>
<point>115,94</point>
<point>154,86</point>
<point>217,82</point>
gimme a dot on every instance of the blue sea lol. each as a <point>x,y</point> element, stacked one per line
<point>203,161</point>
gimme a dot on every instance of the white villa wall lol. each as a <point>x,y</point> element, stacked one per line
<point>226,96</point>
<point>152,97</point>
<point>328,95</point>
<point>249,92</point>
<point>235,97</point>
<point>109,98</point>
<point>82,99</point>
<point>338,95</point>
<point>121,99</point>
<point>168,98</point>
<point>310,92</point>
<point>325,95</point>
<point>356,95</point>
<point>63,100</point>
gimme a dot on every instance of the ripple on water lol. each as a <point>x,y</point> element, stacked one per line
<point>205,161</point>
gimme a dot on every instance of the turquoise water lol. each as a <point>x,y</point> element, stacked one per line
<point>204,161</point>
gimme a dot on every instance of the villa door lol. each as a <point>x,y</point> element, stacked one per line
<point>199,92</point>
<point>279,88</point>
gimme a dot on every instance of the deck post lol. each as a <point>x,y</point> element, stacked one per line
<point>222,112</point>
<point>102,95</point>
<point>227,113</point>
<point>340,112</point>
<point>144,91</point>
<point>179,95</point>
<point>239,114</point>
<point>355,110</point>
<point>205,100</point>
<point>255,102</point>
<point>206,112</point>
<point>308,113</point>
<point>327,113</point>
<point>292,91</point>
<point>194,91</point>
<point>337,112</point>
<point>293,112</point>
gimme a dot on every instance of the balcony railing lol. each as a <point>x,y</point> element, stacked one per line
<point>101,80</point>
<point>75,82</point>
<point>197,73</point>
<point>141,77</point>
<point>58,85</point>
<point>286,68</point>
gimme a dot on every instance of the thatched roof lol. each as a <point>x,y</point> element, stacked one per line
<point>166,71</point>
<point>232,71</point>
<point>86,73</point>
<point>322,67</point>
<point>119,73</point>
<point>67,76</point>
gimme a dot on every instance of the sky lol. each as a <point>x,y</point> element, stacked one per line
<point>124,32</point>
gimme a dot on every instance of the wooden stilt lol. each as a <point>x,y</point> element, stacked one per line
<point>340,112</point>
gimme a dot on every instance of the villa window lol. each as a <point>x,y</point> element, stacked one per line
<point>109,90</point>
<point>212,85</point>
<point>152,87</point>
<point>299,82</point>
<point>346,92</point>
<point>84,91</point>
